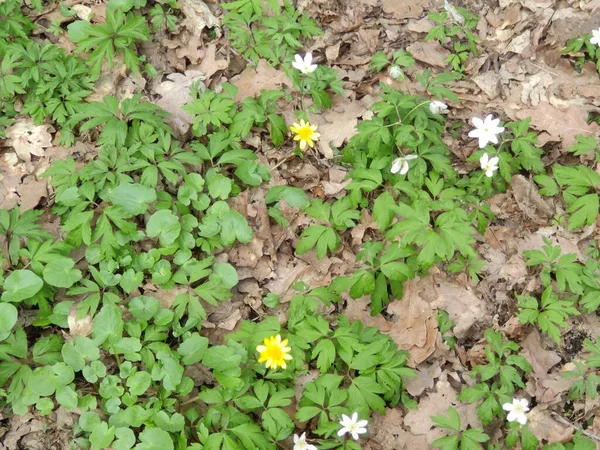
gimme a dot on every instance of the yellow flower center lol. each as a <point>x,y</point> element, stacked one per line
<point>305,133</point>
<point>274,352</point>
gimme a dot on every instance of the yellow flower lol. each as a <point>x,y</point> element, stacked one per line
<point>305,133</point>
<point>274,351</point>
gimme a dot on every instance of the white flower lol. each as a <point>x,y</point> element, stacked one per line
<point>352,425</point>
<point>301,444</point>
<point>490,165</point>
<point>304,65</point>
<point>486,130</point>
<point>437,107</point>
<point>595,37</point>
<point>401,164</point>
<point>516,410</point>
<point>395,72</point>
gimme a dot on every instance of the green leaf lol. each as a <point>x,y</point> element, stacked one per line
<point>133,198</point>
<point>383,210</point>
<point>155,439</point>
<point>192,349</point>
<point>164,224</point>
<point>108,325</point>
<point>8,318</point>
<point>139,382</point>
<point>21,285</point>
<point>67,397</point>
<point>60,273</point>
<point>450,421</point>
<point>172,424</point>
<point>293,196</point>
<point>325,350</point>
<point>584,211</point>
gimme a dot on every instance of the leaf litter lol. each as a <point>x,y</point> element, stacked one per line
<point>529,79</point>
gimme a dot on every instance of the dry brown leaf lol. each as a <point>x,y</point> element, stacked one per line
<point>541,360</point>
<point>430,52</point>
<point>197,16</point>
<point>28,139</point>
<point>462,305</point>
<point>387,432</point>
<point>404,9</point>
<point>545,427</point>
<point>31,191</point>
<point>79,326</point>
<point>419,422</point>
<point>529,201</point>
<point>416,330</point>
<point>561,124</point>
<point>251,81</point>
<point>426,374</point>
<point>210,64</point>
<point>175,92</point>
<point>338,125</point>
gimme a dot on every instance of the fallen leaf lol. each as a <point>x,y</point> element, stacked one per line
<point>419,422</point>
<point>545,427</point>
<point>404,9</point>
<point>197,16</point>
<point>426,374</point>
<point>31,191</point>
<point>251,81</point>
<point>338,125</point>
<point>431,53</point>
<point>529,201</point>
<point>79,326</point>
<point>28,139</point>
<point>416,329</point>
<point>387,432</point>
<point>175,92</point>
<point>541,359</point>
<point>561,124</point>
<point>462,305</point>
<point>210,64</point>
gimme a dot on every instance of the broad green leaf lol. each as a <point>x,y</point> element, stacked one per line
<point>133,198</point>
<point>60,273</point>
<point>165,225</point>
<point>21,285</point>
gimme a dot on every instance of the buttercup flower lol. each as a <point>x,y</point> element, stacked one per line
<point>490,165</point>
<point>352,425</point>
<point>401,164</point>
<point>301,444</point>
<point>395,72</point>
<point>486,130</point>
<point>274,352</point>
<point>305,133</point>
<point>516,410</point>
<point>595,37</point>
<point>304,65</point>
<point>437,107</point>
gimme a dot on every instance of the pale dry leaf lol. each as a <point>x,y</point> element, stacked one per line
<point>174,93</point>
<point>31,191</point>
<point>251,81</point>
<point>464,308</point>
<point>79,326</point>
<point>561,124</point>
<point>28,139</point>
<point>338,125</point>
<point>535,87</point>
<point>404,9</point>
<point>198,16</point>
<point>545,427</point>
<point>489,83</point>
<point>431,53</point>
<point>529,201</point>
<point>416,328</point>
<point>426,374</point>
<point>419,422</point>
<point>387,432</point>
<point>541,359</point>
<point>210,64</point>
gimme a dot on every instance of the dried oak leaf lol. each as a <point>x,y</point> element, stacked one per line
<point>28,139</point>
<point>251,81</point>
<point>197,16</point>
<point>175,92</point>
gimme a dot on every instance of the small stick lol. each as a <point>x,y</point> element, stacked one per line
<point>578,428</point>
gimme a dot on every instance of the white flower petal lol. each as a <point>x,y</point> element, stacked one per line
<point>396,165</point>
<point>477,122</point>
<point>494,162</point>
<point>507,407</point>
<point>405,167</point>
<point>475,133</point>
<point>410,157</point>
<point>354,417</point>
<point>308,59</point>
<point>522,419</point>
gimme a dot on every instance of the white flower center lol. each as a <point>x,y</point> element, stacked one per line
<point>353,427</point>
<point>519,409</point>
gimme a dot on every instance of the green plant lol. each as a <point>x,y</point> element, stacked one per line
<point>578,186</point>
<point>582,49</point>
<point>459,438</point>
<point>459,31</point>
<point>549,313</point>
<point>585,373</point>
<point>119,35</point>
<point>259,29</point>
<point>522,434</point>
<point>497,380</point>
